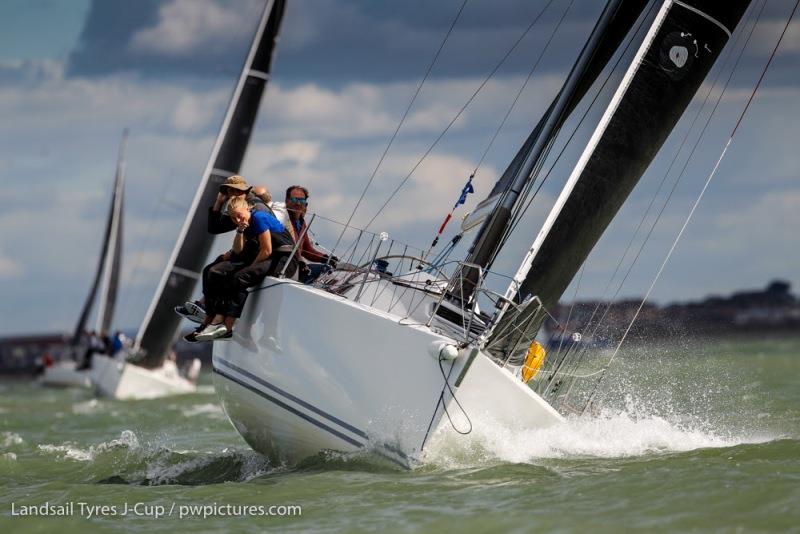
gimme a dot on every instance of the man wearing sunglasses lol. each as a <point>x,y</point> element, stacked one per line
<point>297,205</point>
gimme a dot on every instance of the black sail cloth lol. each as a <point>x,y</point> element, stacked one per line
<point>682,52</point>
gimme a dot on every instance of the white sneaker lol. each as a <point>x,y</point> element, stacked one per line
<point>192,311</point>
<point>195,309</point>
<point>211,332</point>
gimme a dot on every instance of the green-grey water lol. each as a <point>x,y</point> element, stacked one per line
<point>687,437</point>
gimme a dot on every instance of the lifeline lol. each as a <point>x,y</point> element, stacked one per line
<point>45,509</point>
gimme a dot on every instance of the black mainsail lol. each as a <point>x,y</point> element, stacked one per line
<point>682,44</point>
<point>160,325</point>
<point>108,266</point>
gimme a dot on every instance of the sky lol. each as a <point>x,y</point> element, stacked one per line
<point>74,74</point>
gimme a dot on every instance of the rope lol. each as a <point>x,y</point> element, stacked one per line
<point>697,201</point>
<point>452,394</point>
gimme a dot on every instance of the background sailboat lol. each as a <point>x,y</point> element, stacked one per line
<point>66,373</point>
<point>153,374</point>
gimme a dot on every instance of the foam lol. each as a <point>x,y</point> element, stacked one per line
<point>10,439</point>
<point>610,434</point>
<point>127,439</point>
<point>209,409</point>
<point>85,407</point>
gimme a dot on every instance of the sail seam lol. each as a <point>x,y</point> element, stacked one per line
<point>705,16</point>
<point>186,272</point>
<point>258,74</point>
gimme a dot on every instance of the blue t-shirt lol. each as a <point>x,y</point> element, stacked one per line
<point>260,222</point>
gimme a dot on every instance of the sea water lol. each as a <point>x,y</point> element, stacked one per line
<point>685,437</point>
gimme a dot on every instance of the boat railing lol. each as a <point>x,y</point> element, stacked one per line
<point>424,294</point>
<point>366,259</point>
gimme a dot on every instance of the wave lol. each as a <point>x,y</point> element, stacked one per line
<point>125,460</point>
<point>127,440</point>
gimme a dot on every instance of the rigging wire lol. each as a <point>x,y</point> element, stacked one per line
<point>500,126</point>
<point>695,205</point>
<point>524,85</point>
<point>402,119</point>
<point>460,112</point>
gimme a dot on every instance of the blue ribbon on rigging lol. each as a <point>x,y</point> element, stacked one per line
<point>464,192</point>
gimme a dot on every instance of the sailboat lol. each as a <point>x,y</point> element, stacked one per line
<point>68,373</point>
<point>391,348</point>
<point>153,373</point>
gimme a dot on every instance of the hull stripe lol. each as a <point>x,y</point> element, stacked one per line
<point>297,400</point>
<point>319,424</point>
<point>291,409</point>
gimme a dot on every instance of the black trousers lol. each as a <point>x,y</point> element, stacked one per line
<point>225,284</point>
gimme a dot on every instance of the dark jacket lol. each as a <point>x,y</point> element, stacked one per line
<point>220,224</point>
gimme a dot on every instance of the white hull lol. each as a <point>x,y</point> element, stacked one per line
<point>66,374</point>
<point>125,381</point>
<point>308,371</point>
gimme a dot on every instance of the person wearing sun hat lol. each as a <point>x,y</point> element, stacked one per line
<point>233,187</point>
<point>219,223</point>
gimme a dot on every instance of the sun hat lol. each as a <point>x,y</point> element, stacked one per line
<point>235,182</point>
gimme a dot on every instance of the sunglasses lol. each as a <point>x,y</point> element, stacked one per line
<point>298,200</point>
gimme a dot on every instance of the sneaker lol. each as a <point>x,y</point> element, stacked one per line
<point>191,337</point>
<point>195,308</point>
<point>211,332</point>
<point>225,337</point>
<point>192,311</point>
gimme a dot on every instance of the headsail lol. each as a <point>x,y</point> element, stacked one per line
<point>113,260</point>
<point>110,256</point>
<point>160,324</point>
<point>678,51</point>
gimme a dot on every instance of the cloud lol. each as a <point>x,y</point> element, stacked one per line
<point>195,112</point>
<point>186,26</point>
<point>333,103</point>
<point>156,39</point>
<point>339,42</point>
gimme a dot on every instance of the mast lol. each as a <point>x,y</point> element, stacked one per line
<point>160,325</point>
<point>681,46</point>
<point>611,28</point>
<point>87,305</point>
<point>113,259</point>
